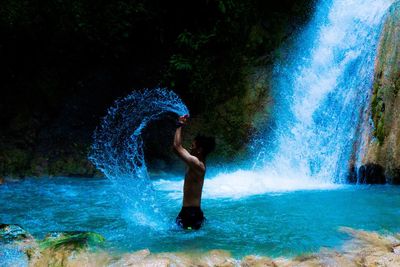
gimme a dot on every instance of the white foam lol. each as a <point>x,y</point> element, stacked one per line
<point>243,183</point>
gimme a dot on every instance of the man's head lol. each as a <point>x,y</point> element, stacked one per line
<point>202,145</point>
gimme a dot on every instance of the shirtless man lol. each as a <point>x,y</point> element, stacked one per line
<point>191,215</point>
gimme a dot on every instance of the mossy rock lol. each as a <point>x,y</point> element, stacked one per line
<point>75,240</point>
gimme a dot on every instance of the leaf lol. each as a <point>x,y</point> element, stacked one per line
<point>180,63</point>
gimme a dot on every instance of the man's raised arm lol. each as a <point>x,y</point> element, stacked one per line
<point>178,148</point>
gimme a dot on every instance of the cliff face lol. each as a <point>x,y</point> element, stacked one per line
<point>383,143</point>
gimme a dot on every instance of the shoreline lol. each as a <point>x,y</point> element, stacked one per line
<point>364,248</point>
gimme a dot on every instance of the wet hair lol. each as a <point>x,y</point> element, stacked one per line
<point>206,143</point>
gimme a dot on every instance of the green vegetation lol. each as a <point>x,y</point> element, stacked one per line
<point>378,112</point>
<point>71,240</point>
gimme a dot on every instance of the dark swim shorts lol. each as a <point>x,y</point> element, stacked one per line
<point>190,218</point>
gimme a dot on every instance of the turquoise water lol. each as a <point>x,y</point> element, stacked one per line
<point>272,224</point>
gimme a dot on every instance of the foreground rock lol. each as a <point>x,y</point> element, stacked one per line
<point>383,147</point>
<point>16,245</point>
<point>364,249</point>
<point>10,233</point>
<point>73,249</point>
<point>69,249</point>
<point>145,258</point>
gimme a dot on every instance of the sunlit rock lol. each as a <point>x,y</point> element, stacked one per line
<point>363,249</point>
<point>255,261</point>
<point>396,249</point>
<point>145,258</point>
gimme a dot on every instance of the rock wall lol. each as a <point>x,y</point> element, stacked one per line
<point>383,140</point>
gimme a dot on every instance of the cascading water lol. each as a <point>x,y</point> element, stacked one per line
<point>117,149</point>
<point>324,90</point>
<point>321,92</point>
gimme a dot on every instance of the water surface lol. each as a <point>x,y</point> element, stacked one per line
<point>271,224</point>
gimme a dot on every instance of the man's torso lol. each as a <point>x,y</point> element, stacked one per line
<point>192,188</point>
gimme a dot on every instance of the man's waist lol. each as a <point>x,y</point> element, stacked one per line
<point>187,208</point>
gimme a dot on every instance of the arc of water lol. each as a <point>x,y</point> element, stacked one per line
<point>117,149</point>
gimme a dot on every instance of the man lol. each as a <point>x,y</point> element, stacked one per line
<point>191,215</point>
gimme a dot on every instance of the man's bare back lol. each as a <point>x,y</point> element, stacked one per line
<point>192,188</point>
<point>191,215</point>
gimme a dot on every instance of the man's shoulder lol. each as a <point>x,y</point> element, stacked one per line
<point>198,166</point>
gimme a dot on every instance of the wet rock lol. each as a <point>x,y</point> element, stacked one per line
<point>393,176</point>
<point>352,176</point>
<point>16,245</point>
<point>371,174</point>
<point>383,146</point>
<point>363,249</point>
<point>12,233</point>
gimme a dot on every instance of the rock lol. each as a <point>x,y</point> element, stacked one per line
<point>255,261</point>
<point>383,146</point>
<point>218,258</point>
<point>12,232</point>
<point>352,176</point>
<point>16,245</point>
<point>2,181</point>
<point>133,258</point>
<point>371,174</point>
<point>396,249</point>
<point>393,176</point>
<point>69,249</point>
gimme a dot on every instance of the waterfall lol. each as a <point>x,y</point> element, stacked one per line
<point>323,89</point>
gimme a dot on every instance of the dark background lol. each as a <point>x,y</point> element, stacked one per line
<point>63,63</point>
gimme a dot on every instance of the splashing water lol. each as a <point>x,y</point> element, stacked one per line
<point>118,147</point>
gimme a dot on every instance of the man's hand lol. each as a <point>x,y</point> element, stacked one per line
<point>183,120</point>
